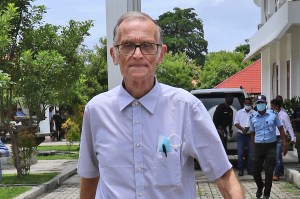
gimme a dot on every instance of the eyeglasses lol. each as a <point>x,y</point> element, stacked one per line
<point>145,48</point>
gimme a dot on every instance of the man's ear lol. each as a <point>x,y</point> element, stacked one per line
<point>113,55</point>
<point>162,53</point>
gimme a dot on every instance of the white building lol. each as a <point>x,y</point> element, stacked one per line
<point>278,41</point>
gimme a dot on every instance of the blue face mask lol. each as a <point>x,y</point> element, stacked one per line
<point>261,107</point>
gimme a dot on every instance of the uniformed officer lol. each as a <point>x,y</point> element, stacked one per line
<point>263,125</point>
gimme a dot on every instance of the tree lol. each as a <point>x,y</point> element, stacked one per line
<point>177,70</point>
<point>245,49</point>
<point>6,17</point>
<point>43,59</point>
<point>219,66</point>
<point>183,32</point>
<point>46,64</point>
<point>96,70</point>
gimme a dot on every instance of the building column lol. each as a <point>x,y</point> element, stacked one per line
<point>114,10</point>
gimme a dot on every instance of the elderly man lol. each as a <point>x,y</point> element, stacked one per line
<point>263,126</point>
<point>139,140</point>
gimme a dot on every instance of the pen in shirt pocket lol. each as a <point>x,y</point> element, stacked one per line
<point>164,149</point>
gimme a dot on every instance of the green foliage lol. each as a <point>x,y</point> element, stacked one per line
<point>183,32</point>
<point>290,104</point>
<point>6,16</point>
<point>12,192</point>
<point>72,133</point>
<point>95,79</point>
<point>42,59</point>
<point>60,148</point>
<point>176,70</point>
<point>219,66</point>
<point>36,178</point>
<point>57,148</point>
<point>26,144</point>
<point>71,156</point>
<point>245,49</point>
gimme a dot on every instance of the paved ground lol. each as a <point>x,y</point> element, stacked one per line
<point>208,190</point>
<point>66,185</point>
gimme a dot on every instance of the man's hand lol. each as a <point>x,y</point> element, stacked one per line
<point>284,150</point>
<point>220,131</point>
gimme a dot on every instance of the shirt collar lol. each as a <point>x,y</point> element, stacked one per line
<point>148,101</point>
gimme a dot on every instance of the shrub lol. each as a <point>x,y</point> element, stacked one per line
<point>72,133</point>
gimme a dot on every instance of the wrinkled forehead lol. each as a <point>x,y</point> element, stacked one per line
<point>135,23</point>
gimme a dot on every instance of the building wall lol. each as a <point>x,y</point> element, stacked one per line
<point>280,53</point>
<point>295,60</point>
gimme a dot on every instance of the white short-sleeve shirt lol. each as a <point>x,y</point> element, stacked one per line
<point>120,137</point>
<point>242,118</point>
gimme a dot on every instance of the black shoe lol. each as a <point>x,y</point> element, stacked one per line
<point>241,173</point>
<point>259,192</point>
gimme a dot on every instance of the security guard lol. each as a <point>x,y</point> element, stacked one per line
<point>263,125</point>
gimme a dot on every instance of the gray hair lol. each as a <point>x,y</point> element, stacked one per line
<point>136,16</point>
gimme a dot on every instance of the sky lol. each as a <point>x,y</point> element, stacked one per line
<point>226,23</point>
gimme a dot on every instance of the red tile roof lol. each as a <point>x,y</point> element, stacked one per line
<point>249,78</point>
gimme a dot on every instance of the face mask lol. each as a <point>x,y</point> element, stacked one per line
<point>261,107</point>
<point>248,107</point>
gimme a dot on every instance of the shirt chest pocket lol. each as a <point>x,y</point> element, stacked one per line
<point>257,124</point>
<point>167,171</point>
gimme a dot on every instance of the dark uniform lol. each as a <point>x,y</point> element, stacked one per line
<point>223,118</point>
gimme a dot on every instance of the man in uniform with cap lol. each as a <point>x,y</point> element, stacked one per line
<point>263,125</point>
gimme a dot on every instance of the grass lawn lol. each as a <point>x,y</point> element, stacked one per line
<point>74,148</point>
<point>8,191</point>
<point>64,148</point>
<point>36,178</point>
<point>12,192</point>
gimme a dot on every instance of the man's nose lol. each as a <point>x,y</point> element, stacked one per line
<point>138,51</point>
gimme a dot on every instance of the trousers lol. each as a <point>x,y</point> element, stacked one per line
<point>264,156</point>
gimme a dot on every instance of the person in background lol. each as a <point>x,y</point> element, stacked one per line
<point>296,120</point>
<point>20,112</point>
<point>280,98</point>
<point>58,122</point>
<point>4,152</point>
<point>223,119</point>
<point>287,126</point>
<point>243,137</point>
<point>142,136</point>
<point>263,125</point>
<point>51,122</point>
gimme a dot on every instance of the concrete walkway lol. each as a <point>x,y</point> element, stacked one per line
<point>66,184</point>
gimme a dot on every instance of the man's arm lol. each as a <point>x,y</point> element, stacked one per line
<point>282,134</point>
<point>88,187</point>
<point>229,186</point>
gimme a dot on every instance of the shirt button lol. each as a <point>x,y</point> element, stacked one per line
<point>135,103</point>
<point>140,194</point>
<point>138,145</point>
<point>140,169</point>
<point>137,122</point>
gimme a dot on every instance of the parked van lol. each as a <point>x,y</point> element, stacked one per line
<point>211,98</point>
